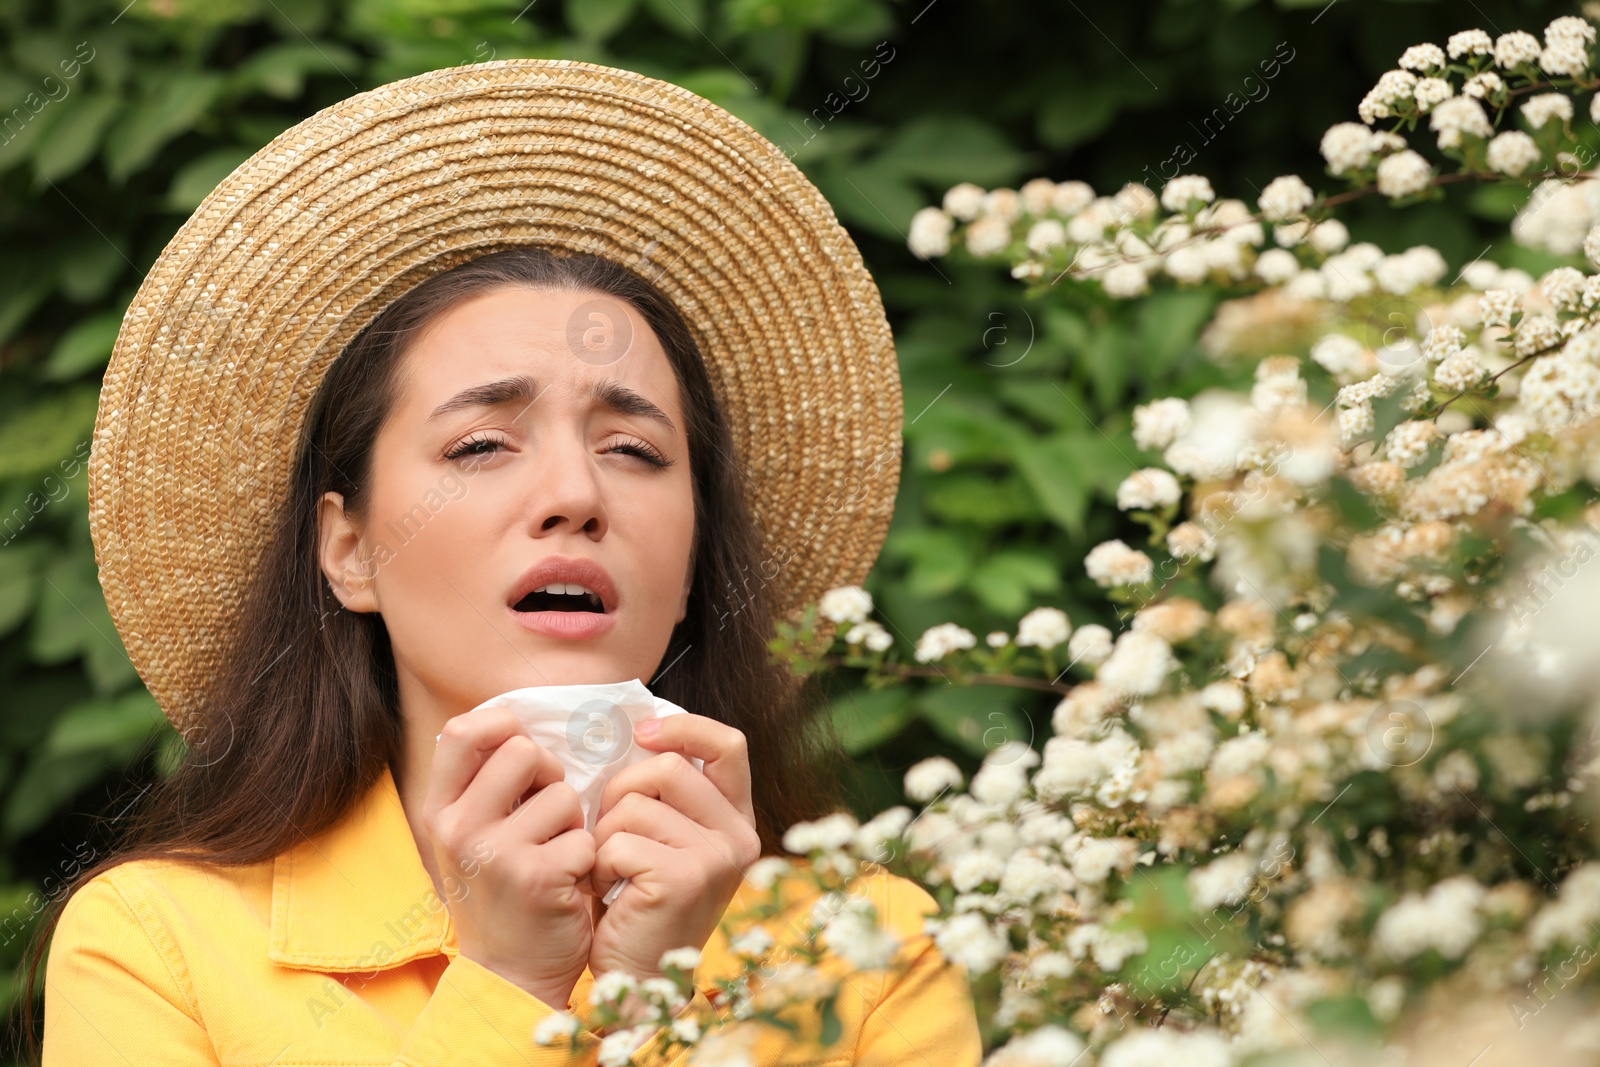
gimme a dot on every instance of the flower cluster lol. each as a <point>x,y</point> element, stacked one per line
<point>1319,783</point>
<point>1129,240</point>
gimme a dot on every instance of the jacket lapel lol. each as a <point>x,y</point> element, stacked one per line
<point>356,897</point>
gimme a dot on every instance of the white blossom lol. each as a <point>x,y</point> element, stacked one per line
<point>1138,664</point>
<point>1445,919</point>
<point>1090,644</point>
<point>1394,87</point>
<point>1125,281</point>
<point>1178,193</point>
<point>1516,47</point>
<point>930,777</point>
<point>1149,1047</point>
<point>561,1025</point>
<point>1496,307</point>
<point>1456,116</point>
<point>1469,43</point>
<point>845,603</point>
<point>964,201</point>
<point>1113,563</point>
<point>988,236</point>
<point>970,941</point>
<point>1285,198</point>
<point>1423,57</point>
<point>1276,266</point>
<point>1347,146</point>
<point>1403,174</point>
<point>1158,423</point>
<point>1545,107</point>
<point>930,233</point>
<point>939,641</point>
<point>1043,627</point>
<point>1049,1045</point>
<point>1148,489</point>
<point>870,633</point>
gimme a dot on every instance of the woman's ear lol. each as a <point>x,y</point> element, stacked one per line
<point>339,554</point>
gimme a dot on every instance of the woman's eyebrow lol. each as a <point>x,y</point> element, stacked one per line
<point>521,388</point>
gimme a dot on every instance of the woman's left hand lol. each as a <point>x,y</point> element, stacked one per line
<point>681,836</point>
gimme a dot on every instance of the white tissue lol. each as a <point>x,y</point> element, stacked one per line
<point>589,728</point>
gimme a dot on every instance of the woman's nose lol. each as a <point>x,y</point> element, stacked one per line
<point>567,491</point>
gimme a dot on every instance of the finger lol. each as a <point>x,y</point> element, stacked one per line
<point>671,777</point>
<point>720,746</point>
<point>464,744</point>
<point>520,768</point>
<point>630,856</point>
<point>648,817</point>
<point>553,811</point>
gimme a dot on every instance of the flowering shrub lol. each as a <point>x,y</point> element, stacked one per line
<point>1324,793</point>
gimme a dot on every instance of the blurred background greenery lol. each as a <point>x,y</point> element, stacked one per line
<point>117,118</point>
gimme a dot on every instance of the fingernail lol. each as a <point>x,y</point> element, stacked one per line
<point>648,728</point>
<point>437,736</point>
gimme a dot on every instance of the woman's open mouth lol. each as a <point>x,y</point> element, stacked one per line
<point>576,614</point>
<point>571,598</point>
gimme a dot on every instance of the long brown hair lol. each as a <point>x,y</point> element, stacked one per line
<point>304,715</point>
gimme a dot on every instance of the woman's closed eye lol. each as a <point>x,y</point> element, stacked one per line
<point>486,445</point>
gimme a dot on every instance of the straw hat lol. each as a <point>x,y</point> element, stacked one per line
<point>231,332</point>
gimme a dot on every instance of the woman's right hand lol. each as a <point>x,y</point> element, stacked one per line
<point>495,792</point>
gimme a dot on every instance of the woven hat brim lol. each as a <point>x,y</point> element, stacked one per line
<point>230,334</point>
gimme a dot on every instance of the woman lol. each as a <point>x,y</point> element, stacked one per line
<point>360,864</point>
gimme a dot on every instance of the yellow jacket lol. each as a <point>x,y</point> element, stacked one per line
<point>340,952</point>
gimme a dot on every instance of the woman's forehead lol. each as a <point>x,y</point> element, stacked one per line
<point>566,342</point>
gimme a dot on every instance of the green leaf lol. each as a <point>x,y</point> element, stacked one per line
<point>48,782</point>
<point>36,438</point>
<point>16,305</point>
<point>979,718</point>
<point>1344,1014</point>
<point>1388,412</point>
<point>72,619</point>
<point>19,579</point>
<point>171,108</point>
<point>946,149</point>
<point>1053,469</point>
<point>1033,397</point>
<point>871,195</point>
<point>106,725</point>
<point>34,126</point>
<point>1075,116</point>
<point>73,140</point>
<point>280,70</point>
<point>1497,201</point>
<point>596,20</point>
<point>201,175</point>
<point>1008,581</point>
<point>683,17</point>
<point>84,347</point>
<point>88,268</point>
<point>1169,324</point>
<point>866,718</point>
<point>832,1028</point>
<point>1107,359</point>
<point>983,499</point>
<point>940,559</point>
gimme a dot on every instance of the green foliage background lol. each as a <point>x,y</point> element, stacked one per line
<point>1017,408</point>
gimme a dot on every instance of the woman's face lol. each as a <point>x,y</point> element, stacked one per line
<point>527,428</point>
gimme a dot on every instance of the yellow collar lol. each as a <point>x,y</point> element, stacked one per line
<point>357,898</point>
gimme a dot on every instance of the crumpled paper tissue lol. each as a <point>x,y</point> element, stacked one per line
<point>589,728</point>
